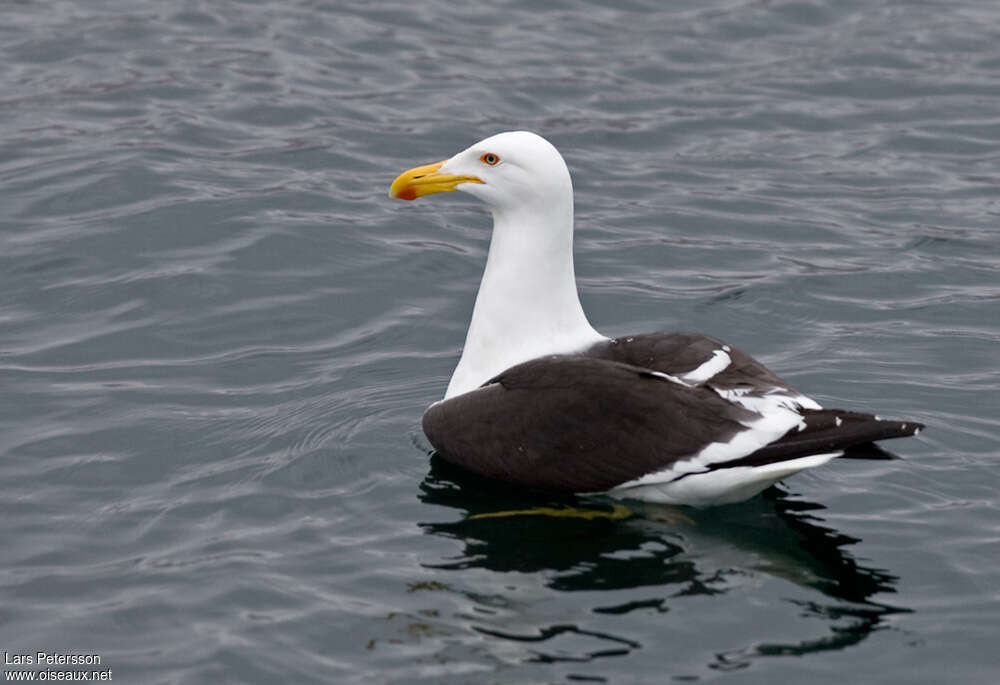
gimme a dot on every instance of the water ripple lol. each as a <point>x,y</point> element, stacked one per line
<point>217,334</point>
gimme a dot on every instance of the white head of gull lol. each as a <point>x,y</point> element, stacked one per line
<point>528,304</point>
<point>542,400</point>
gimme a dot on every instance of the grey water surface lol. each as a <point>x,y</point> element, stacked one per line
<point>217,336</point>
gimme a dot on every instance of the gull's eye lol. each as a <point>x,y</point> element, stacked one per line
<point>490,158</point>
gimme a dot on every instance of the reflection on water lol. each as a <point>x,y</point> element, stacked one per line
<point>578,545</point>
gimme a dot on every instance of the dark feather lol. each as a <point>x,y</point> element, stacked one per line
<point>590,422</point>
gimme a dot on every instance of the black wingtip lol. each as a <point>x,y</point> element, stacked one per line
<point>900,429</point>
<point>869,451</point>
<point>859,428</point>
<point>834,430</point>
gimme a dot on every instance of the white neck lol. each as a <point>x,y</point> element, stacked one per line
<point>527,305</point>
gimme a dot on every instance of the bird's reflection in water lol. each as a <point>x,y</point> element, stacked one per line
<point>598,544</point>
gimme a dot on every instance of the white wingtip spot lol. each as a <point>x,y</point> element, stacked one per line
<point>838,421</point>
<point>916,431</point>
<point>904,426</point>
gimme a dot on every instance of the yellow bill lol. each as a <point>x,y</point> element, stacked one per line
<point>425,180</point>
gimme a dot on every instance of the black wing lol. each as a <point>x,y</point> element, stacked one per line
<point>582,424</point>
<point>681,353</point>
